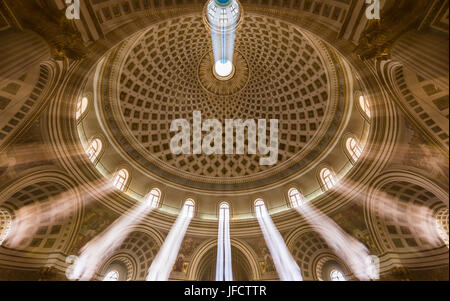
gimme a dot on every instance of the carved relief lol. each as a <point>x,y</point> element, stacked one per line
<point>264,258</point>
<point>379,35</point>
<point>60,33</point>
<point>420,154</point>
<point>352,222</point>
<point>184,256</point>
<point>95,220</point>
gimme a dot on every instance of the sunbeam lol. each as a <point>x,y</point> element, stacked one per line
<point>224,271</point>
<point>167,255</point>
<point>285,264</point>
<point>96,251</point>
<point>29,217</point>
<point>349,249</point>
<point>414,215</point>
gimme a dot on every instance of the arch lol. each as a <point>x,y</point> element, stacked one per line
<point>194,267</point>
<point>153,198</point>
<point>429,196</point>
<point>224,205</point>
<point>94,149</point>
<point>327,178</point>
<point>219,205</point>
<point>353,148</point>
<point>5,224</point>
<point>259,206</point>
<point>337,275</point>
<point>397,212</point>
<point>121,179</point>
<point>45,179</point>
<point>326,264</point>
<point>423,101</point>
<point>135,254</point>
<point>24,102</point>
<point>126,262</point>
<point>364,106</point>
<point>112,275</point>
<point>81,109</point>
<point>259,202</point>
<point>296,199</point>
<point>129,258</point>
<point>398,175</point>
<point>189,208</point>
<point>442,224</point>
<point>224,210</point>
<point>312,254</point>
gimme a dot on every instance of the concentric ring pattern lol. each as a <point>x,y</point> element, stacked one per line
<point>158,83</point>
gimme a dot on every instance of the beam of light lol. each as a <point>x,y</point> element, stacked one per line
<point>223,16</point>
<point>349,249</point>
<point>224,270</point>
<point>29,218</point>
<point>223,46</point>
<point>285,264</point>
<point>167,255</point>
<point>418,217</point>
<point>35,153</point>
<point>97,251</point>
<point>429,157</point>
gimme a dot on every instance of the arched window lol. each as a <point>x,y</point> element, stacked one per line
<point>259,207</point>
<point>224,271</point>
<point>442,225</point>
<point>121,178</point>
<point>336,275</point>
<point>224,212</point>
<point>188,209</point>
<point>153,198</point>
<point>94,149</point>
<point>81,107</point>
<point>327,178</point>
<point>112,275</point>
<point>353,148</point>
<point>365,106</point>
<point>224,206</point>
<point>296,198</point>
<point>5,224</point>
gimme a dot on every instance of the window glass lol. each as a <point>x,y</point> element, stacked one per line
<point>81,107</point>
<point>120,179</point>
<point>327,178</point>
<point>295,198</point>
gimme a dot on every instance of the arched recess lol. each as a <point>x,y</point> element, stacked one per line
<point>313,255</point>
<point>5,224</point>
<point>424,102</point>
<point>400,214</point>
<point>119,268</point>
<point>135,254</point>
<point>55,205</point>
<point>208,251</point>
<point>128,265</point>
<point>22,99</point>
<point>326,176</point>
<point>352,147</point>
